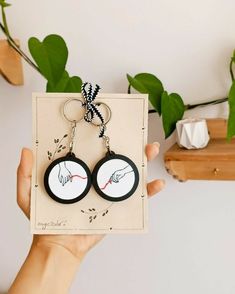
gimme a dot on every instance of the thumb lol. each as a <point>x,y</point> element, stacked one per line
<point>24,174</point>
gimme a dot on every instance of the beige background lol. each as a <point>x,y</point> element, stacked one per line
<point>187,44</point>
<point>127,131</point>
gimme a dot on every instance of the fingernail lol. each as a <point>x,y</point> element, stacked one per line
<point>157,144</point>
<point>163,183</point>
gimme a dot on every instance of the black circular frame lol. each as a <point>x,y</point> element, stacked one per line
<point>68,157</point>
<point>111,156</point>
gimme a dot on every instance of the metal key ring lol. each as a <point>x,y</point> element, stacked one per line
<point>65,108</point>
<point>109,114</point>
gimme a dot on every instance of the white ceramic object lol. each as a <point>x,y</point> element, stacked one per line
<point>192,133</point>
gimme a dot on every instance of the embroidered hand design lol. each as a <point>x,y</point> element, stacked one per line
<point>64,174</point>
<point>119,174</point>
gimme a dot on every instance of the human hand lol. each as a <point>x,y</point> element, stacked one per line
<point>64,174</point>
<point>78,245</point>
<point>117,175</point>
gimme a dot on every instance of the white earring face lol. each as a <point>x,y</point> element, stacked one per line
<point>67,179</point>
<point>115,177</point>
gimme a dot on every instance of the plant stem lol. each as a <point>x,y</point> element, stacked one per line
<point>231,69</point>
<point>4,19</point>
<point>213,102</point>
<point>16,47</point>
<point>191,106</point>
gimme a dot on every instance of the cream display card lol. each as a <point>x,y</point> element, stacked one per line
<point>127,130</point>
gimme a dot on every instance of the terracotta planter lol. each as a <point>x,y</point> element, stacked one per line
<point>10,64</point>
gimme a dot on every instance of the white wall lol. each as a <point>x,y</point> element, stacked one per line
<point>187,44</point>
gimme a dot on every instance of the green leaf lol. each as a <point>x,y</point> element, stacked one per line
<point>233,54</point>
<point>66,84</point>
<point>4,4</point>
<point>60,86</point>
<point>148,83</point>
<point>136,84</point>
<point>50,55</point>
<point>231,117</point>
<point>172,110</point>
<point>74,85</point>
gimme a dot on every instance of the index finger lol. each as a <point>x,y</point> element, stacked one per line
<point>152,150</point>
<point>24,174</point>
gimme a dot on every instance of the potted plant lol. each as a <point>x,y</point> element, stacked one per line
<point>50,58</point>
<point>171,107</point>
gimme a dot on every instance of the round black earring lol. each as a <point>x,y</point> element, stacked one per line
<point>115,177</point>
<point>68,179</point>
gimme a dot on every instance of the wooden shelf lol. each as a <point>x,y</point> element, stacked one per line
<point>215,162</point>
<point>10,64</point>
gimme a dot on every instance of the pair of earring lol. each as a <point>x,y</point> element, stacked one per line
<point>68,179</point>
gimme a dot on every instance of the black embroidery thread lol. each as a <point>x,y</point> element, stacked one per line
<point>91,108</point>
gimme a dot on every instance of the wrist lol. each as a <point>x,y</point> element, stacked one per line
<point>58,264</point>
<point>59,243</point>
<point>49,268</point>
